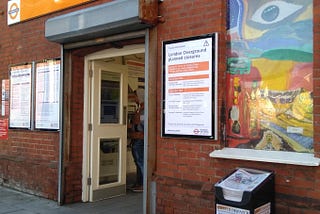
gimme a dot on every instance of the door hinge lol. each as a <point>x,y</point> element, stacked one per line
<point>90,73</point>
<point>90,126</point>
<point>89,181</point>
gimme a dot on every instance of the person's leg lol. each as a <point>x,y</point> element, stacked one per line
<point>138,148</point>
<point>140,155</point>
<point>135,157</point>
<point>139,179</point>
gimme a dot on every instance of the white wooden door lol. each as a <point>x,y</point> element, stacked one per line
<point>109,130</point>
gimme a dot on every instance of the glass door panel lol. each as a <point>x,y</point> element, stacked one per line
<point>110,97</point>
<point>109,161</point>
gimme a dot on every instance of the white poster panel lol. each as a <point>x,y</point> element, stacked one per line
<point>224,209</point>
<point>189,93</point>
<point>20,96</point>
<point>47,94</point>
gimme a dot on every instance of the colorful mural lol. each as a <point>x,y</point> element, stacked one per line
<point>270,63</point>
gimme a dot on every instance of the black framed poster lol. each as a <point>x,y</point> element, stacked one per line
<point>47,94</point>
<point>20,96</point>
<point>190,87</point>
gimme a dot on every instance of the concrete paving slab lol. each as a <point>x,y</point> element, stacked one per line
<point>15,202</point>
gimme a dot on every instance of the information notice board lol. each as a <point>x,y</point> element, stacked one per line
<point>47,94</point>
<point>190,87</point>
<point>20,96</point>
<point>34,95</point>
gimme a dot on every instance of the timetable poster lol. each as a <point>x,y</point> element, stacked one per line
<point>20,96</point>
<point>47,94</point>
<point>189,89</point>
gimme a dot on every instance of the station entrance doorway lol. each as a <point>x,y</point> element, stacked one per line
<point>111,78</point>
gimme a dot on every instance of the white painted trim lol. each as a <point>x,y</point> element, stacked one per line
<point>294,158</point>
<point>114,52</point>
<point>85,139</point>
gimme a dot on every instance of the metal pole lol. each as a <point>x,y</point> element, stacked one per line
<point>61,144</point>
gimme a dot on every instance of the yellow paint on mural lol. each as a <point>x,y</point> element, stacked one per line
<point>34,8</point>
<point>252,33</point>
<point>307,14</point>
<point>275,74</point>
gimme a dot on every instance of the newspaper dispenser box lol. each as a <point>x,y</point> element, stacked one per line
<point>245,191</point>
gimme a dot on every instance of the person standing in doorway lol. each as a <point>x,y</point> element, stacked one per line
<point>137,139</point>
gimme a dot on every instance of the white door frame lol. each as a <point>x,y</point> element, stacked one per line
<point>108,53</point>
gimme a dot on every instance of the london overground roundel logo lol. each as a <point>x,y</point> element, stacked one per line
<point>13,12</point>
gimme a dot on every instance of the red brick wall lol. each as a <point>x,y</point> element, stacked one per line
<point>28,159</point>
<point>28,162</point>
<point>73,163</point>
<point>185,173</point>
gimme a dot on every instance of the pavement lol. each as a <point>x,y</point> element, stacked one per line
<point>15,202</point>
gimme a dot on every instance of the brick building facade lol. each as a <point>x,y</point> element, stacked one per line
<point>182,170</point>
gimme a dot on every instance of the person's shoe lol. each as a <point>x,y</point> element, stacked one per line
<point>137,189</point>
<point>133,186</point>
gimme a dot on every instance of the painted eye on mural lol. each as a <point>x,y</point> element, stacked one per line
<point>274,11</point>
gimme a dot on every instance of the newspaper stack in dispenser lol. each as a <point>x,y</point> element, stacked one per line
<point>245,191</point>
